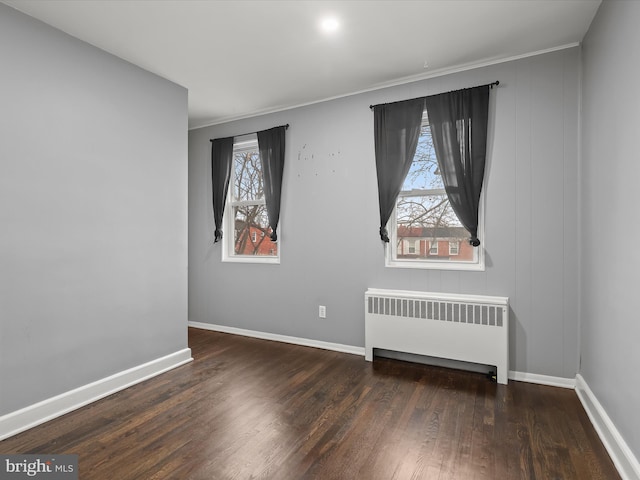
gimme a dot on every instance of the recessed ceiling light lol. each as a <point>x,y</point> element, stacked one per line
<point>329,24</point>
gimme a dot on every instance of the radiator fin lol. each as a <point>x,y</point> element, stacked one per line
<point>444,311</point>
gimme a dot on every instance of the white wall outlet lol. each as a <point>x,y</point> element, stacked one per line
<point>322,311</point>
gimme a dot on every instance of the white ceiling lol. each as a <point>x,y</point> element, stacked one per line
<point>241,58</point>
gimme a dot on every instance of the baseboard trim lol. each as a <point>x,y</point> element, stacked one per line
<point>305,342</point>
<point>543,379</point>
<point>620,453</point>
<point>41,412</point>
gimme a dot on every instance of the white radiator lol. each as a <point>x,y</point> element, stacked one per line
<point>468,328</point>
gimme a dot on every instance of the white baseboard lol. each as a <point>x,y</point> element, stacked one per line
<point>38,413</point>
<point>336,347</point>
<point>622,456</point>
<point>543,379</point>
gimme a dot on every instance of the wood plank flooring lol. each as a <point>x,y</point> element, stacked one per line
<point>255,409</point>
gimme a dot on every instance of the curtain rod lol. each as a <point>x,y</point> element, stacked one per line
<point>286,127</point>
<point>490,85</point>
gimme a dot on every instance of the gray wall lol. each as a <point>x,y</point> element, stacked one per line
<point>610,259</point>
<point>93,213</point>
<point>331,252</point>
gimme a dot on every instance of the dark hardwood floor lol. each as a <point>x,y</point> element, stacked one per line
<point>255,409</point>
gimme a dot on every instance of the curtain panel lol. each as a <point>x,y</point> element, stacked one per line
<point>271,145</point>
<point>396,133</point>
<point>458,122</point>
<point>221,161</point>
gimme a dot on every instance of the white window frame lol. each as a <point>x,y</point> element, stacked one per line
<point>431,252</point>
<point>457,248</point>
<point>246,142</point>
<point>434,263</point>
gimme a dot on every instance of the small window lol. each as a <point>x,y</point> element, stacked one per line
<point>414,247</point>
<point>246,210</point>
<point>423,216</point>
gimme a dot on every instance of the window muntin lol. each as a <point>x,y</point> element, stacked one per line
<point>423,215</point>
<point>246,210</point>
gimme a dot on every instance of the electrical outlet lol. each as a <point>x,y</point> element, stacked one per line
<point>322,311</point>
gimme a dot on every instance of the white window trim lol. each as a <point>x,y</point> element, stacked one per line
<point>392,227</point>
<point>478,266</point>
<point>457,244</point>
<point>228,237</point>
<point>431,242</point>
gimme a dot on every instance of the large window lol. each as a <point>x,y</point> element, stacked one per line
<point>424,219</point>
<point>246,210</point>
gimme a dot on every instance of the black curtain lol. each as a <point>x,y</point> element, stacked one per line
<point>271,146</point>
<point>221,161</point>
<point>458,123</point>
<point>396,132</point>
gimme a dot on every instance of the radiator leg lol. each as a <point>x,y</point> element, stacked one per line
<point>502,376</point>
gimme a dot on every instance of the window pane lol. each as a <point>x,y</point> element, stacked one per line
<point>429,223</point>
<point>247,175</point>
<point>252,231</point>
<point>424,173</point>
<point>429,210</point>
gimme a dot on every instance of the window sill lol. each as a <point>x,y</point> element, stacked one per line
<point>252,259</point>
<point>434,265</point>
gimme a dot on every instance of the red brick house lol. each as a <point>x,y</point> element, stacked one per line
<point>436,243</point>
<point>253,240</point>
